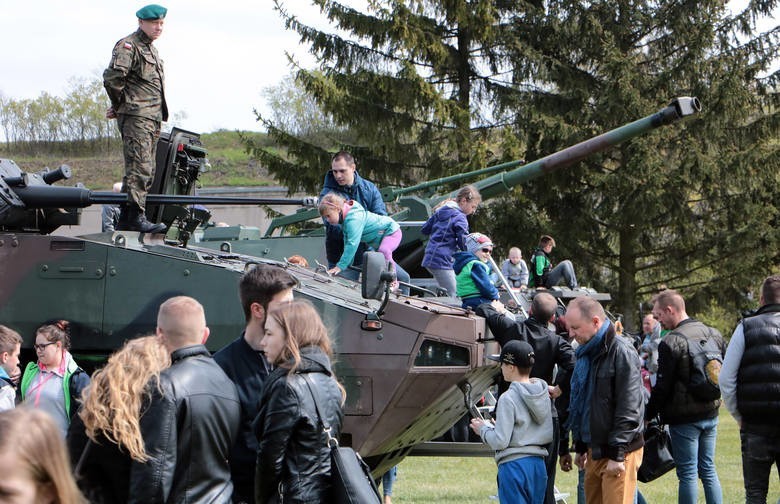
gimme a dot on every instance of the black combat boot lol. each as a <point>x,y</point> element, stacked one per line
<point>136,221</point>
<point>122,222</point>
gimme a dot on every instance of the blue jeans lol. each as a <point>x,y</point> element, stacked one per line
<point>693,445</point>
<point>563,271</point>
<point>388,479</point>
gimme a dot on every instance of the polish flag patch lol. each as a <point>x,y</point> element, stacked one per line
<point>128,45</point>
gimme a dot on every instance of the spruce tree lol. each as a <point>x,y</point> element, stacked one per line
<point>690,206</point>
<point>411,84</point>
<point>423,88</point>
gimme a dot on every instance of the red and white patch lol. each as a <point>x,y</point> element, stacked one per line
<point>128,45</point>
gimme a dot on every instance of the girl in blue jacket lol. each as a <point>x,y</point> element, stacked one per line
<point>358,225</point>
<point>447,228</point>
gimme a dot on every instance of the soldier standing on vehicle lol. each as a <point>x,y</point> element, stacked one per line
<point>134,81</point>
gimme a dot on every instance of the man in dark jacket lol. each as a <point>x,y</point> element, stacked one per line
<point>606,407</point>
<point>343,179</point>
<point>693,422</point>
<point>549,350</point>
<point>192,419</point>
<point>750,383</point>
<point>260,289</point>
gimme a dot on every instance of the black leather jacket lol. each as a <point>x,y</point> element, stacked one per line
<point>293,461</point>
<point>617,405</point>
<point>549,348</point>
<point>670,395</point>
<point>189,426</point>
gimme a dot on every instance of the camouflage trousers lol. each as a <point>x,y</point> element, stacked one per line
<point>139,137</point>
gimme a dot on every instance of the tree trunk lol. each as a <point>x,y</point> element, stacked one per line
<point>626,302</point>
<point>464,94</point>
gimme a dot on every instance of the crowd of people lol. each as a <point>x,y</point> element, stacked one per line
<point>165,421</point>
<point>249,417</point>
<point>613,386</point>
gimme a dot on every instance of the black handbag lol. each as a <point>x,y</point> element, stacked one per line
<point>350,477</point>
<point>657,459</point>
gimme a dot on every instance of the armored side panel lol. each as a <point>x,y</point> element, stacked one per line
<point>403,381</point>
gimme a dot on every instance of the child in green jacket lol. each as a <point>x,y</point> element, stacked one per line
<point>359,225</point>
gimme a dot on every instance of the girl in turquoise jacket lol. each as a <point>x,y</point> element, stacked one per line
<point>358,225</point>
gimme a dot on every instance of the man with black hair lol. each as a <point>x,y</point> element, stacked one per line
<point>750,383</point>
<point>344,180</point>
<point>260,289</point>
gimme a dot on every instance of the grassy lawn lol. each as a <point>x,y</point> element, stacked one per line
<point>230,163</point>
<point>451,479</point>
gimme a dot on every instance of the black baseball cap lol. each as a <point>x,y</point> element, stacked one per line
<point>517,353</point>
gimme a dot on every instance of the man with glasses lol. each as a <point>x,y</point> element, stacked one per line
<point>472,273</point>
<point>344,180</point>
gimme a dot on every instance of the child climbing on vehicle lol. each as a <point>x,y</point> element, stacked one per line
<point>358,225</point>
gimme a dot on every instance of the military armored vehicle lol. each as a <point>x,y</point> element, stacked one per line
<point>302,232</point>
<point>410,365</point>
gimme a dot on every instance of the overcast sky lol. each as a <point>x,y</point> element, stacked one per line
<point>219,55</point>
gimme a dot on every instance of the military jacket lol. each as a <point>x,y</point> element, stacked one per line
<point>134,80</point>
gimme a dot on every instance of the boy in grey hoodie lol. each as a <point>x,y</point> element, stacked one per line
<point>522,430</point>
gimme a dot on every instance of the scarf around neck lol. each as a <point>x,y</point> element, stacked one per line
<point>581,388</point>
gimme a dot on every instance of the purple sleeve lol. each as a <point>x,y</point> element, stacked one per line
<point>460,228</point>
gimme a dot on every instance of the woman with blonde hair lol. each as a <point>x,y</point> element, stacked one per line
<point>105,437</point>
<point>55,382</point>
<point>358,225</point>
<point>33,460</point>
<point>293,459</point>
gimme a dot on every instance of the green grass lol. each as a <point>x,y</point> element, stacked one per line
<point>439,480</point>
<point>230,163</point>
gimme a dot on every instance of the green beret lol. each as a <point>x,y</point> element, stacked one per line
<point>151,11</point>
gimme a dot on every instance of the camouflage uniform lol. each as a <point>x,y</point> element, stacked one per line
<point>134,81</point>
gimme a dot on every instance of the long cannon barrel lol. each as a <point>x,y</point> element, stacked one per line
<point>503,182</point>
<point>46,196</point>
<point>391,193</point>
